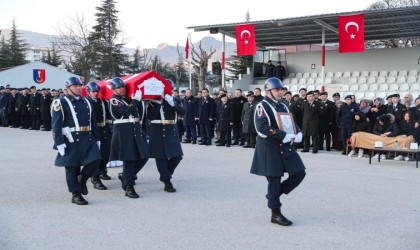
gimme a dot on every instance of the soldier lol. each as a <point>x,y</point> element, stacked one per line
<point>326,119</point>
<point>274,155</point>
<point>225,120</point>
<point>76,138</point>
<point>310,122</point>
<point>191,115</point>
<point>165,146</point>
<point>128,143</point>
<point>248,127</point>
<point>102,114</point>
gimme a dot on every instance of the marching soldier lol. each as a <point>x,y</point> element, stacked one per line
<point>274,153</point>
<point>128,143</point>
<point>165,146</point>
<point>102,114</point>
<point>76,138</point>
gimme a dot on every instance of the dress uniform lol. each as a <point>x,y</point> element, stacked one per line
<point>128,143</point>
<point>76,138</point>
<point>165,146</point>
<point>102,116</point>
<point>274,155</point>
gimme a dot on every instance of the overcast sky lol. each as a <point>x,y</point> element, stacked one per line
<point>149,23</point>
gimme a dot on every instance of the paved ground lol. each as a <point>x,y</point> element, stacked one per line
<point>344,203</point>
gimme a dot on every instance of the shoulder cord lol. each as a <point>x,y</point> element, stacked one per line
<point>73,113</point>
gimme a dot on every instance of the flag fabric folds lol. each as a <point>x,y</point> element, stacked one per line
<point>187,49</point>
<point>245,40</point>
<point>351,33</point>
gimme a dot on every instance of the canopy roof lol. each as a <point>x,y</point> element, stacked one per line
<point>382,24</point>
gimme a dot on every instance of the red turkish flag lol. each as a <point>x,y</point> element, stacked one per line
<point>187,49</point>
<point>351,33</point>
<point>245,40</point>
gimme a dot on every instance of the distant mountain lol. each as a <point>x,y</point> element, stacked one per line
<point>168,53</point>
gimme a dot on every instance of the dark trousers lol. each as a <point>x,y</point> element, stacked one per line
<point>72,173</point>
<point>166,167</point>
<point>251,139</point>
<point>345,134</point>
<point>35,122</point>
<point>206,134</point>
<point>327,137</point>
<point>101,169</point>
<point>237,133</point>
<point>47,124</point>
<point>277,188</point>
<point>191,133</point>
<point>308,142</point>
<point>131,169</point>
<point>14,120</point>
<point>25,121</point>
<point>226,137</point>
<point>4,117</point>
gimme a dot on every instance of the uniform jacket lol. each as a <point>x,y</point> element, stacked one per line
<point>164,138</point>
<point>272,157</point>
<point>398,111</point>
<point>84,149</point>
<point>248,125</point>
<point>128,141</point>
<point>345,115</point>
<point>103,119</point>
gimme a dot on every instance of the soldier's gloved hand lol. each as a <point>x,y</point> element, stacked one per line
<point>288,138</point>
<point>298,137</point>
<point>170,100</point>
<point>61,149</point>
<point>99,144</point>
<point>137,95</point>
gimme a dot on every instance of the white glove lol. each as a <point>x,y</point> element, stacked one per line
<point>61,148</point>
<point>298,137</point>
<point>170,100</point>
<point>288,138</point>
<point>137,95</point>
<point>99,144</point>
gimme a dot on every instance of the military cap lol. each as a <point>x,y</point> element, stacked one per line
<point>223,95</point>
<point>347,97</point>
<point>336,94</point>
<point>250,93</point>
<point>324,93</point>
<point>310,93</point>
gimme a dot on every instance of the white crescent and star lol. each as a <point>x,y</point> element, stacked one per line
<point>249,36</point>
<point>352,36</point>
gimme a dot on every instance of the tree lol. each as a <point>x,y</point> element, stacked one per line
<point>5,56</point>
<point>140,62</point>
<point>179,72</point>
<point>46,59</point>
<point>56,58</point>
<point>393,43</point>
<point>107,52</point>
<point>17,47</point>
<point>238,66</point>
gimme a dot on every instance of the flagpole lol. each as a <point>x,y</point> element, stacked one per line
<point>189,60</point>
<point>323,60</point>
<point>223,61</point>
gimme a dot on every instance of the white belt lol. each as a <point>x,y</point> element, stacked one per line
<point>129,120</point>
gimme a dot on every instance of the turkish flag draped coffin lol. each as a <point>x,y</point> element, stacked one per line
<point>351,33</point>
<point>150,83</point>
<point>245,40</point>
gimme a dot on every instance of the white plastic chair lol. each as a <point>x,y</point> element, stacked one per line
<point>383,73</point>
<point>363,87</point>
<point>359,95</point>
<point>411,79</point>
<point>313,75</point>
<point>369,95</point>
<point>401,79</point>
<point>402,73</point>
<point>355,74</point>
<point>412,72</point>
<point>374,74</point>
<point>371,80</point>
<point>310,81</point>
<point>404,87</point>
<point>318,81</point>
<point>352,80</point>
<point>298,75</point>
<point>338,74</point>
<point>373,87</point>
<point>380,80</point>
<point>294,81</point>
<point>381,94</point>
<point>293,88</point>
<point>390,80</point>
<point>286,81</point>
<point>306,75</point>
<point>393,87</point>
<point>346,74</point>
<point>302,86</point>
<point>345,87</point>
<point>361,80</point>
<point>383,87</point>
<point>364,74</point>
<point>291,75</point>
<point>328,80</point>
<point>311,87</point>
<point>302,81</point>
<point>414,87</point>
<point>354,87</point>
<point>393,73</point>
<point>329,74</point>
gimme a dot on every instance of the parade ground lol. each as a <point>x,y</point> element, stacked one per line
<point>343,203</point>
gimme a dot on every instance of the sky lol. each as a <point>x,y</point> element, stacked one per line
<point>146,24</point>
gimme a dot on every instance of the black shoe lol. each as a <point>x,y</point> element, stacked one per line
<point>202,143</point>
<point>241,144</point>
<point>97,184</point>
<point>78,199</point>
<point>328,149</point>
<point>104,176</point>
<point>131,193</point>
<point>83,187</point>
<point>169,187</point>
<point>208,144</point>
<point>246,146</point>
<point>220,144</point>
<point>305,150</point>
<point>187,141</point>
<point>235,143</point>
<point>121,177</point>
<point>314,151</point>
<point>217,141</point>
<point>278,218</point>
<point>227,145</point>
<point>194,142</point>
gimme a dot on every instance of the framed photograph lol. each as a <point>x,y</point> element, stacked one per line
<point>286,123</point>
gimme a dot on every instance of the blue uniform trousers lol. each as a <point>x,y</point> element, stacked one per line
<point>277,188</point>
<point>131,169</point>
<point>72,173</point>
<point>166,167</point>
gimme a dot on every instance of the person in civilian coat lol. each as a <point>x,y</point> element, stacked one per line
<point>296,109</point>
<point>274,154</point>
<point>45,106</point>
<point>248,125</point>
<point>237,105</point>
<point>191,115</point>
<point>128,143</point>
<point>207,114</point>
<point>35,109</point>
<point>164,142</point>
<point>225,119</point>
<point>326,120</point>
<point>344,119</point>
<point>377,110</point>
<point>13,111</point>
<point>23,110</point>
<point>310,122</point>
<point>77,139</point>
<point>396,108</point>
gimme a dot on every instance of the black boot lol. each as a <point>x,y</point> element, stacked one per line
<point>97,183</point>
<point>121,177</point>
<point>78,199</point>
<point>83,186</point>
<point>131,193</point>
<point>104,176</point>
<point>278,218</point>
<point>169,187</point>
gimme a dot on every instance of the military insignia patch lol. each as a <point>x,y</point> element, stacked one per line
<point>114,102</point>
<point>56,105</point>
<point>260,111</point>
<point>272,131</point>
